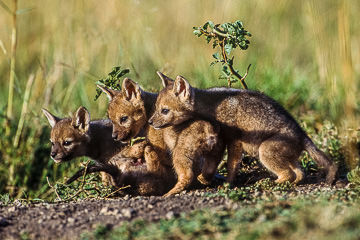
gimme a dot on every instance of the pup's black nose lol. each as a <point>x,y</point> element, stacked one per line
<point>150,121</point>
<point>53,154</point>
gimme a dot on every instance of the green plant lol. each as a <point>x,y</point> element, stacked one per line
<point>328,139</point>
<point>227,37</point>
<point>5,199</point>
<point>112,80</point>
<point>354,176</point>
<point>89,186</point>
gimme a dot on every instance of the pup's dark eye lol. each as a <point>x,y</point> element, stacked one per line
<point>164,111</point>
<point>67,143</point>
<point>123,119</point>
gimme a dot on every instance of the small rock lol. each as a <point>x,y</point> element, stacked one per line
<point>104,211</point>
<point>128,212</point>
<point>169,215</point>
<point>17,202</point>
<point>71,220</point>
<point>11,209</point>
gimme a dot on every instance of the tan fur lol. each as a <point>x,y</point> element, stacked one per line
<point>196,151</point>
<point>250,121</point>
<point>93,139</point>
<point>186,143</point>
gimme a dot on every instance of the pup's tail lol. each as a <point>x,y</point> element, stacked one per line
<point>322,160</point>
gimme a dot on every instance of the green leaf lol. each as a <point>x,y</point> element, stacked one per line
<point>216,56</point>
<point>99,82</point>
<point>225,71</point>
<point>228,48</point>
<point>213,63</point>
<point>208,38</point>
<point>197,33</point>
<point>239,24</point>
<point>211,24</point>
<point>122,73</point>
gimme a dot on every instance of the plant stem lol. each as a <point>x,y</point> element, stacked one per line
<point>29,85</point>
<point>9,112</point>
<point>232,70</point>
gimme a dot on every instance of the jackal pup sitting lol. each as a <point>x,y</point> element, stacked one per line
<point>78,136</point>
<point>192,148</point>
<point>250,121</point>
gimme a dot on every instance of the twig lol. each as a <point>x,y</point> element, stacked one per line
<point>232,70</point>
<point>52,187</point>
<point>117,190</point>
<point>81,188</point>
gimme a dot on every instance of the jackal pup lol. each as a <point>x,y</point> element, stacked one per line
<point>193,146</point>
<point>250,121</point>
<point>78,136</point>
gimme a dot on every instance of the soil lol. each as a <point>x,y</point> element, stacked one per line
<point>67,220</point>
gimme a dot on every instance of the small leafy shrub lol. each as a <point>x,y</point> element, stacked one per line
<point>226,37</point>
<point>328,139</point>
<point>111,80</point>
<point>354,176</point>
<point>5,199</point>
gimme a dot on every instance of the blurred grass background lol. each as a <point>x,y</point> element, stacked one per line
<point>304,54</point>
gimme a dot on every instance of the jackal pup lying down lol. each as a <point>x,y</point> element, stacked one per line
<point>78,136</point>
<point>192,148</point>
<point>250,121</point>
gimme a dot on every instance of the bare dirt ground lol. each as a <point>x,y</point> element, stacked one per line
<point>68,220</point>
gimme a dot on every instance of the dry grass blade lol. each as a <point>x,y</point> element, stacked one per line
<point>81,188</point>
<point>117,190</point>
<point>4,6</point>
<point>24,109</point>
<point>9,112</point>
<point>53,188</point>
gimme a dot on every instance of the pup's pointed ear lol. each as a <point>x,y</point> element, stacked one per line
<point>81,119</point>
<point>131,90</point>
<point>182,89</point>
<point>109,92</point>
<point>51,118</point>
<point>164,79</point>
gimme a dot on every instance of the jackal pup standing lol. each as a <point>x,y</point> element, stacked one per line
<point>191,147</point>
<point>250,121</point>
